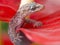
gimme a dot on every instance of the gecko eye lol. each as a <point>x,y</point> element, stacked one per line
<point>33,7</point>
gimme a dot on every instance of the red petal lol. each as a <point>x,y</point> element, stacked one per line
<point>6,39</point>
<point>8,8</point>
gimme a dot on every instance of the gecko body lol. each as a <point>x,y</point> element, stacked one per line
<point>18,20</point>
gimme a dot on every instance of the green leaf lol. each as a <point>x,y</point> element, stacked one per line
<point>4,26</point>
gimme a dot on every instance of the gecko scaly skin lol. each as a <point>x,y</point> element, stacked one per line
<point>18,20</point>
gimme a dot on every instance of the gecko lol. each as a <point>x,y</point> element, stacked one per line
<point>18,20</point>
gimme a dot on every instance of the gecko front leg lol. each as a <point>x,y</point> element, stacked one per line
<point>34,22</point>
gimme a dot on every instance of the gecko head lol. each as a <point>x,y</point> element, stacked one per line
<point>31,7</point>
<point>34,7</point>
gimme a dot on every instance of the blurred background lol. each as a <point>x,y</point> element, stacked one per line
<point>3,32</point>
<point>7,7</point>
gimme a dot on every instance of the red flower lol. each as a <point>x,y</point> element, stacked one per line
<point>49,32</point>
